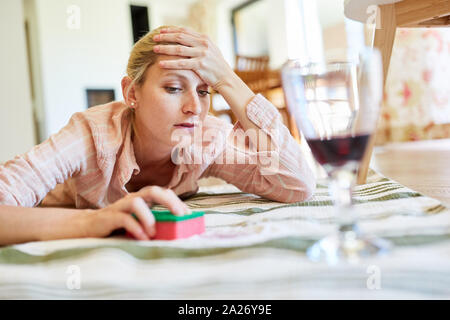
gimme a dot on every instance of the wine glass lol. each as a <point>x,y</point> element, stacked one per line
<point>336,105</point>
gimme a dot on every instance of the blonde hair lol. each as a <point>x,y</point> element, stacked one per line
<point>142,56</point>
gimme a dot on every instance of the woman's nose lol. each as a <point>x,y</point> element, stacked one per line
<point>192,104</point>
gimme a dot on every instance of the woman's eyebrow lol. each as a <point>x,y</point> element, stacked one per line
<point>168,74</point>
<point>175,75</point>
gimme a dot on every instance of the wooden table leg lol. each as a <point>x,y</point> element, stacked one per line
<point>384,41</point>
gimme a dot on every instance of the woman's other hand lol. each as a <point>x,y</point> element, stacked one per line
<point>202,55</point>
<point>102,222</point>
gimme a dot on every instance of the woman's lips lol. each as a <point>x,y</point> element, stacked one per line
<point>185,125</point>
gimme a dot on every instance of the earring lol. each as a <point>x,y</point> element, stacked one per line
<point>132,104</point>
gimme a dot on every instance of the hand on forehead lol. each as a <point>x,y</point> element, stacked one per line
<point>187,75</point>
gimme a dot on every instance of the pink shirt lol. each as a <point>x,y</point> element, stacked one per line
<point>89,161</point>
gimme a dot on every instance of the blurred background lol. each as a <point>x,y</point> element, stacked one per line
<point>59,57</point>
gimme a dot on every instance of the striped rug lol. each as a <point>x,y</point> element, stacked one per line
<point>253,248</point>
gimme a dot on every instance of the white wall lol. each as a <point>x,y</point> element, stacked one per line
<point>168,12</point>
<point>224,35</point>
<point>68,60</point>
<point>276,30</point>
<point>37,97</point>
<point>253,20</point>
<point>93,55</point>
<point>16,120</point>
<point>330,12</point>
<point>338,32</point>
<point>277,34</point>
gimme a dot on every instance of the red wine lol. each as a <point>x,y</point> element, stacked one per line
<point>338,151</point>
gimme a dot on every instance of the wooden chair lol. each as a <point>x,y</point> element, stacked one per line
<point>268,83</point>
<point>394,14</point>
<point>246,63</point>
<point>255,72</point>
<point>251,70</point>
<point>220,113</point>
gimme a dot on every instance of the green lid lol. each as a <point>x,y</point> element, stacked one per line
<point>166,215</point>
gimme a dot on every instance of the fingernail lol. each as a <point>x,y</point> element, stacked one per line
<point>157,37</point>
<point>163,30</point>
<point>156,48</point>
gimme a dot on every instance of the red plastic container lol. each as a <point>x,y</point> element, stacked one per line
<point>170,227</point>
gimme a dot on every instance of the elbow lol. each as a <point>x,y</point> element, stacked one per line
<point>305,193</point>
<point>286,188</point>
<point>309,187</point>
<point>304,187</point>
<point>296,184</point>
<point>298,192</point>
<point>301,194</point>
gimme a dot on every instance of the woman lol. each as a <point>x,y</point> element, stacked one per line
<point>119,158</point>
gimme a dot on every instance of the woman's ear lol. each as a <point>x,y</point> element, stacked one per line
<point>128,92</point>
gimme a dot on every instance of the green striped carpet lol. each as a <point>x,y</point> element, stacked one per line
<point>253,248</point>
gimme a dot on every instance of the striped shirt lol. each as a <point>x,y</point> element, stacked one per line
<point>88,163</point>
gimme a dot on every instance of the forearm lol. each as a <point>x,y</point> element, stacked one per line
<point>238,95</point>
<point>21,224</point>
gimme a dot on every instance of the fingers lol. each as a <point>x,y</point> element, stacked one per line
<point>118,215</point>
<point>177,50</point>
<point>181,30</point>
<point>124,220</point>
<point>165,197</point>
<point>138,206</point>
<point>181,38</point>
<point>188,64</point>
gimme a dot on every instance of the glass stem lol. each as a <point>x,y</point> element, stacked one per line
<point>341,187</point>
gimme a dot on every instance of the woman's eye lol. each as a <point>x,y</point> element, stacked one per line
<point>204,93</point>
<point>172,89</point>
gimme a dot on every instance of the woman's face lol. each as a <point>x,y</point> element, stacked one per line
<point>170,101</point>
